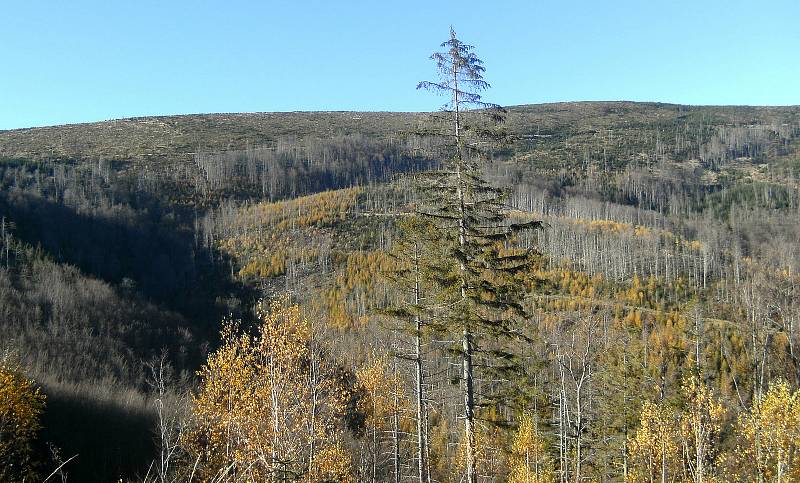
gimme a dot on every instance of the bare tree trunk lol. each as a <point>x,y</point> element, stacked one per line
<point>578,434</point>
<point>312,424</point>
<point>396,435</point>
<point>374,446</point>
<point>625,409</point>
<point>422,437</point>
<point>697,341</point>
<point>562,426</point>
<point>276,430</point>
<point>421,429</point>
<point>427,449</point>
<point>793,351</point>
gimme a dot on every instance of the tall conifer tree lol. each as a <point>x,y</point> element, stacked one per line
<point>478,291</point>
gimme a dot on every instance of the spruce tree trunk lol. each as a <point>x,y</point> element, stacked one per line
<point>469,404</point>
<point>467,345</point>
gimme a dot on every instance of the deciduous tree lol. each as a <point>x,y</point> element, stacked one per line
<point>21,405</point>
<point>270,407</point>
<point>770,435</point>
<point>701,423</point>
<point>655,448</point>
<point>530,460</point>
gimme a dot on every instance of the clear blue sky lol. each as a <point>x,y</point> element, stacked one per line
<point>77,61</point>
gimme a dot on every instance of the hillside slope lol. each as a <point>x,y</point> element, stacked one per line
<point>123,240</point>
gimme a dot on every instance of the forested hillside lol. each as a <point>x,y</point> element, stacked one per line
<point>658,317</point>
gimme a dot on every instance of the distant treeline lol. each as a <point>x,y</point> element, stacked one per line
<point>291,167</point>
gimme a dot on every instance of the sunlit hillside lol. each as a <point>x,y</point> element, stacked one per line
<point>656,330</point>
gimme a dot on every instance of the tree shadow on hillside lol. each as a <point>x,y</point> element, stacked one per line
<point>149,251</point>
<point>112,438</point>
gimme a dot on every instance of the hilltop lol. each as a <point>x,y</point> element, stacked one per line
<point>176,138</point>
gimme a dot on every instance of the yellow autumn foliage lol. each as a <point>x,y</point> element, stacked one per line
<point>700,424</point>
<point>21,405</point>
<point>331,464</point>
<point>654,450</point>
<point>384,390</point>
<point>530,461</point>
<point>384,405</point>
<point>270,404</point>
<point>264,238</point>
<point>318,209</point>
<point>356,289</point>
<point>769,435</point>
